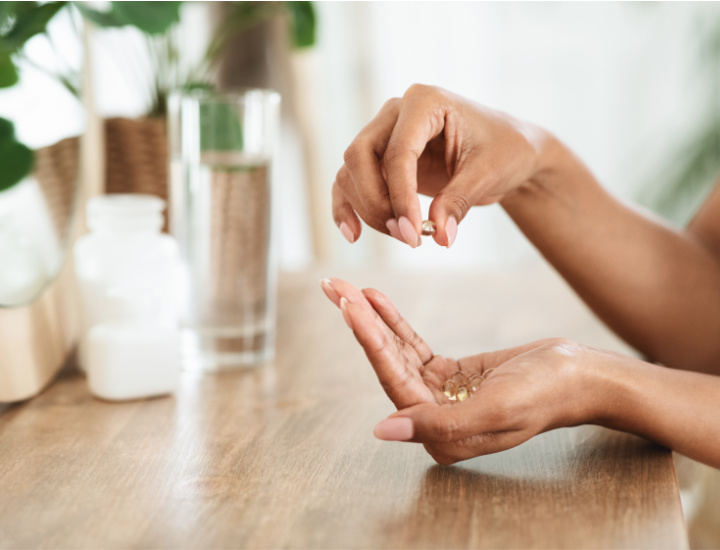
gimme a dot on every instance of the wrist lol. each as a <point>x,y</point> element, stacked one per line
<point>611,388</point>
<point>587,387</point>
<point>555,166</point>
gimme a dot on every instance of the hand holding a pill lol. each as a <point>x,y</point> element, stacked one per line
<point>471,406</point>
<point>439,144</point>
<point>654,285</point>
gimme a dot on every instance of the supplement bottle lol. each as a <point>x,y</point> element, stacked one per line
<point>124,248</point>
<point>132,353</point>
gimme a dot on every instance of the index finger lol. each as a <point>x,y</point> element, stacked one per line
<point>399,376</point>
<point>421,119</point>
<point>362,160</point>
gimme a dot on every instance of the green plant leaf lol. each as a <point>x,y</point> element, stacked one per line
<point>303,23</point>
<point>16,160</point>
<point>7,129</point>
<point>687,178</point>
<point>10,11</point>
<point>6,14</point>
<point>100,18</point>
<point>149,17</point>
<point>205,86</point>
<point>8,72</point>
<point>220,128</point>
<point>29,22</point>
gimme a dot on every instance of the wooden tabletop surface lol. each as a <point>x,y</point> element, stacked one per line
<point>283,456</point>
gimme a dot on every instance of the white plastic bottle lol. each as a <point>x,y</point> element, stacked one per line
<point>132,353</point>
<point>124,248</point>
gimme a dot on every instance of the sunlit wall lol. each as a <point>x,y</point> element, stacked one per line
<point>617,82</point>
<point>620,83</point>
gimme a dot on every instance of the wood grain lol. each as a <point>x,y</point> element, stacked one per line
<point>283,456</point>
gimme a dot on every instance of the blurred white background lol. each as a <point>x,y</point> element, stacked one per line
<point>618,82</point>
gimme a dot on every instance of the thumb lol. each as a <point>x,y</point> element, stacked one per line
<point>450,205</point>
<point>433,423</point>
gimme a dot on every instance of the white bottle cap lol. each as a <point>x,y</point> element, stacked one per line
<point>125,212</point>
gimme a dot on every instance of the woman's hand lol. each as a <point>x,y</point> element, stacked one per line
<point>527,390</point>
<point>439,144</point>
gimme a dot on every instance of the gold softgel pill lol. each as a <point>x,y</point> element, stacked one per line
<point>450,389</point>
<point>459,378</point>
<point>428,228</point>
<point>474,382</point>
<point>462,393</point>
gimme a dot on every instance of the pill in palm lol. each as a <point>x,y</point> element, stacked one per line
<point>428,227</point>
<point>474,382</point>
<point>459,378</point>
<point>462,393</point>
<point>450,389</point>
<point>459,386</point>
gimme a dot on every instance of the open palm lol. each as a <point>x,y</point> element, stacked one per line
<point>526,390</point>
<point>408,370</point>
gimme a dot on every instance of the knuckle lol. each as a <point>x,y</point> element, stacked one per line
<point>397,151</point>
<point>353,153</point>
<point>419,90</point>
<point>342,178</point>
<point>392,103</point>
<point>440,455</point>
<point>400,195</point>
<point>562,342</point>
<point>444,460</point>
<point>378,205</point>
<point>446,430</point>
<point>393,150</point>
<point>458,204</point>
<point>564,354</point>
<point>563,347</point>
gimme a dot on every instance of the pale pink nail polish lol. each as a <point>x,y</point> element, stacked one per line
<point>451,227</point>
<point>329,291</point>
<point>347,233</point>
<point>345,312</point>
<point>399,428</point>
<point>408,231</point>
<point>394,229</point>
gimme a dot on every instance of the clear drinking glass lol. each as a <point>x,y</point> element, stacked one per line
<point>221,152</point>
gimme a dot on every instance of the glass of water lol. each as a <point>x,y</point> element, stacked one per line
<point>222,147</point>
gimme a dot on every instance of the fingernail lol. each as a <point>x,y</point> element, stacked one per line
<point>409,234</point>
<point>347,233</point>
<point>394,229</point>
<point>345,312</point>
<point>329,291</point>
<point>451,230</point>
<point>399,428</point>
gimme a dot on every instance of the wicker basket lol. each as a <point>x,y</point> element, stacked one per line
<point>136,157</point>
<point>56,171</point>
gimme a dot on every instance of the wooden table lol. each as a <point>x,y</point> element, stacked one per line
<point>284,457</point>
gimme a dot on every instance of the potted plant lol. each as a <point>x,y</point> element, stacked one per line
<point>136,157</point>
<point>136,149</point>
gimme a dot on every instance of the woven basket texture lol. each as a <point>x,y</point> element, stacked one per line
<point>56,171</point>
<point>136,157</point>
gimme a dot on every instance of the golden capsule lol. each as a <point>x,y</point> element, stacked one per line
<point>459,378</point>
<point>450,389</point>
<point>474,382</point>
<point>428,228</point>
<point>462,393</point>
